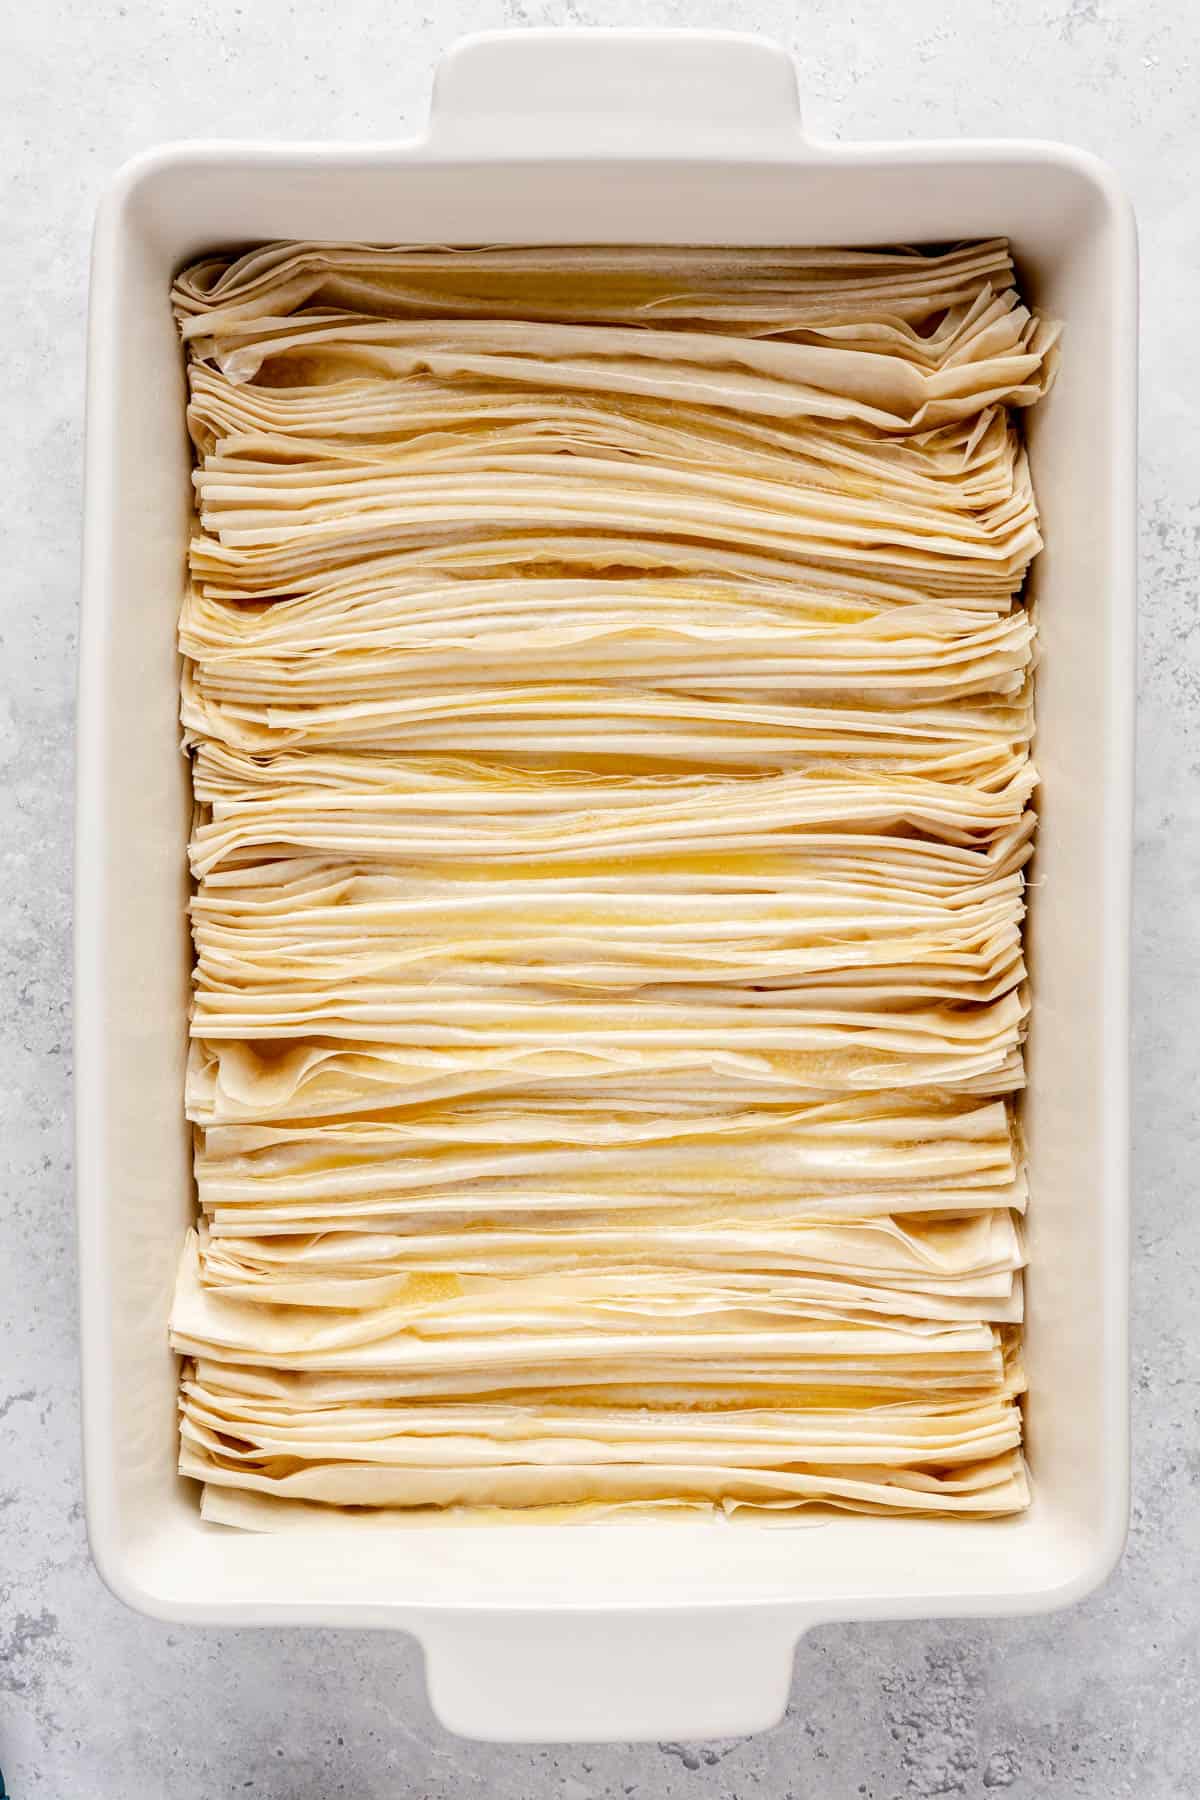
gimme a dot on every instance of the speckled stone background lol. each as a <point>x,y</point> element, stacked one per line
<point>94,1702</point>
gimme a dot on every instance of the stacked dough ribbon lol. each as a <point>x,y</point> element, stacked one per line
<point>608,693</point>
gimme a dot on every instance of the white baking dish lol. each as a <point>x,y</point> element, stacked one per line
<point>603,1631</point>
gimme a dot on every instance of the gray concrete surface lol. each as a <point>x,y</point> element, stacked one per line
<point>97,1703</point>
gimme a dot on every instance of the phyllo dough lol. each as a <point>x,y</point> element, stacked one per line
<point>609,697</point>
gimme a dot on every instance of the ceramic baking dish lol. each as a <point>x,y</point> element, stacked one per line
<point>603,1631</point>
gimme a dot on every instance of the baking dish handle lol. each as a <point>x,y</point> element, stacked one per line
<point>574,92</point>
<point>589,1677</point>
